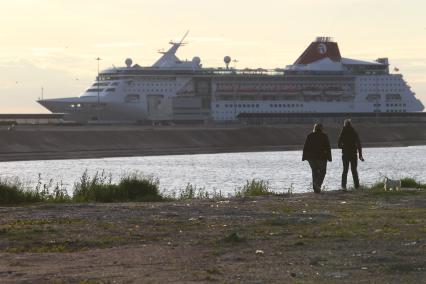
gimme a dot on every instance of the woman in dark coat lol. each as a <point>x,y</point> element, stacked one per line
<point>317,151</point>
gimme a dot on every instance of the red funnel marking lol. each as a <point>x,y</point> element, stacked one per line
<point>319,50</point>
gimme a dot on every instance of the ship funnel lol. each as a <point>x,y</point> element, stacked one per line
<point>322,47</point>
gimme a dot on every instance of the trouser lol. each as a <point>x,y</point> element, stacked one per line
<point>354,163</point>
<point>319,168</point>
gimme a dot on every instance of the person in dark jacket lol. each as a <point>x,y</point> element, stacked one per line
<point>317,151</point>
<point>350,144</point>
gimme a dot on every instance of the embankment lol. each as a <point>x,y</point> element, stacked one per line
<point>72,142</point>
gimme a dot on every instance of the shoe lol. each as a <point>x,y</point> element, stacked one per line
<point>344,189</point>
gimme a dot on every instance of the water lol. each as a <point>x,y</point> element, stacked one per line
<point>226,172</point>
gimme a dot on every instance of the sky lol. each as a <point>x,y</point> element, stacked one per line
<point>53,44</point>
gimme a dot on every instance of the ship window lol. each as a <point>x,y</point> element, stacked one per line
<point>115,84</point>
<point>217,105</point>
<point>257,105</point>
<point>239,105</point>
<point>100,84</point>
<point>110,89</point>
<point>94,90</point>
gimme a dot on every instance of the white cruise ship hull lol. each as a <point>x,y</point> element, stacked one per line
<point>320,81</point>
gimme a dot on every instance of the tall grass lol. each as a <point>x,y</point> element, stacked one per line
<point>412,183</point>
<point>194,192</point>
<point>405,183</point>
<point>13,191</point>
<point>132,187</point>
<point>138,188</point>
<point>254,188</point>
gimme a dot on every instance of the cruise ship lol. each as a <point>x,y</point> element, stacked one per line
<point>171,90</point>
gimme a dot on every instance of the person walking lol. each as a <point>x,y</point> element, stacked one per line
<point>317,151</point>
<point>350,144</point>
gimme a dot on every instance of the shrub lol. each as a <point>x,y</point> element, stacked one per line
<point>194,192</point>
<point>14,192</point>
<point>100,188</point>
<point>409,182</point>
<point>138,188</point>
<point>254,188</point>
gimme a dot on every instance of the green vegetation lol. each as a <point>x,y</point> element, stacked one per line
<point>132,187</point>
<point>254,188</point>
<point>194,192</point>
<point>412,183</point>
<point>14,192</point>
<point>138,188</point>
<point>378,188</point>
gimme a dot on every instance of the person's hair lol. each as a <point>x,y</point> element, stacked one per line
<point>347,122</point>
<point>317,127</point>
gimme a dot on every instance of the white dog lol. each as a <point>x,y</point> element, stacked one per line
<point>391,184</point>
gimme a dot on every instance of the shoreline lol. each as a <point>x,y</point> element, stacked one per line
<point>53,142</point>
<point>126,153</point>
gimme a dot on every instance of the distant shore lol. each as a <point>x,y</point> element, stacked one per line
<point>78,142</point>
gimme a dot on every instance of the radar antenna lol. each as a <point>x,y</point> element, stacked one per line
<point>181,41</point>
<point>169,56</point>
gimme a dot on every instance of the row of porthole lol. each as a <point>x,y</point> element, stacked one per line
<point>239,105</point>
<point>284,105</point>
<point>257,105</point>
<point>395,105</point>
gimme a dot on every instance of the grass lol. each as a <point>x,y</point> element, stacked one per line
<point>378,188</point>
<point>13,191</point>
<point>133,187</point>
<point>254,188</point>
<point>194,192</point>
<point>412,183</point>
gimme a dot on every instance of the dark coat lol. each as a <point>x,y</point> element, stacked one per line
<point>349,142</point>
<point>317,147</point>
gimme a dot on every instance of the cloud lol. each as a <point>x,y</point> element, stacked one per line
<point>118,44</point>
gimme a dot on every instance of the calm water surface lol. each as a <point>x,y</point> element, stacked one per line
<point>226,172</point>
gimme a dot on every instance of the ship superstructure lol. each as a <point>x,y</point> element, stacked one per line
<point>320,80</point>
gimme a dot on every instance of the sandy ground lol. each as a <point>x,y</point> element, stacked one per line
<point>335,237</point>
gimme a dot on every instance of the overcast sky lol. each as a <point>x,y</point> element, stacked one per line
<point>53,43</point>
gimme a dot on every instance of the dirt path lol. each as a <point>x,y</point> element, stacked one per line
<point>336,237</point>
